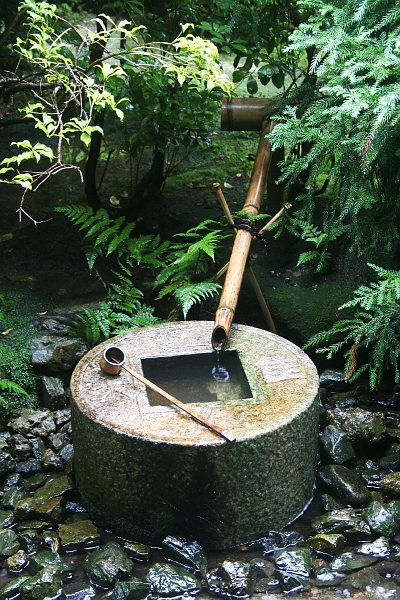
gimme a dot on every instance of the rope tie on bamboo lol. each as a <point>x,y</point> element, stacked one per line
<point>247,225</point>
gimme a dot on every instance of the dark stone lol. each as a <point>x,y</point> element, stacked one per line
<point>294,560</point>
<point>14,479</point>
<point>361,426</point>
<point>29,466</point>
<point>187,554</point>
<point>52,393</point>
<point>349,562</point>
<point>59,440</point>
<point>390,485</point>
<point>7,463</point>
<point>328,503</point>
<point>55,487</point>
<point>78,536</point>
<point>12,496</point>
<point>130,590</point>
<point>52,510</point>
<point>231,578</point>
<point>77,591</point>
<point>106,565</point>
<point>29,540</point>
<point>325,577</point>
<point>344,485</point>
<point>138,552</point>
<point>344,521</point>
<point>47,558</point>
<point>67,452</point>
<point>333,380</point>
<point>34,482</point>
<point>328,543</point>
<point>34,423</point>
<point>63,416</point>
<point>370,474</point>
<point>291,583</point>
<point>393,506</point>
<point>12,589</point>
<point>276,540</point>
<point>336,445</point>
<point>6,518</point>
<point>25,509</point>
<point>46,584</point>
<point>38,447</point>
<point>9,543</point>
<point>53,355</point>
<point>52,463</point>
<point>20,447</point>
<point>379,548</point>
<point>380,519</point>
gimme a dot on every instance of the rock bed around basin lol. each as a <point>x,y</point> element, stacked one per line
<point>346,545</point>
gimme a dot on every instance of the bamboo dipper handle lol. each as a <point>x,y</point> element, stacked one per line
<point>215,428</point>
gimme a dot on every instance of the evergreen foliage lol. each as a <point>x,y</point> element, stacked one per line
<point>346,124</point>
<point>375,326</point>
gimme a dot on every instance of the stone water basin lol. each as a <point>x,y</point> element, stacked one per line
<point>147,471</point>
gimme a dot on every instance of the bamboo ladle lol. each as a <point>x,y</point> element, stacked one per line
<point>113,360</point>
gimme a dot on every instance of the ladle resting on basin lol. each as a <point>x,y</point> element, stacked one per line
<point>113,360</point>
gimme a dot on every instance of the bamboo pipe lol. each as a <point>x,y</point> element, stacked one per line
<point>249,270</point>
<point>113,360</point>
<point>245,114</point>
<point>241,247</point>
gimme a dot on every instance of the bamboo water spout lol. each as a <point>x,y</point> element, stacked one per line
<point>241,247</point>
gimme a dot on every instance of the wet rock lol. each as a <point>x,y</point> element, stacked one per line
<point>34,525</point>
<point>52,510</point>
<point>59,440</point>
<point>349,399</point>
<point>31,466</point>
<point>333,380</point>
<point>25,509</point>
<point>393,506</point>
<point>187,554</point>
<point>325,577</point>
<point>276,540</point>
<point>67,452</point>
<point>379,548</point>
<point>77,591</point>
<point>38,447</point>
<point>106,565</point>
<point>368,471</point>
<point>53,355</point>
<point>63,416</point>
<point>380,520</point>
<point>55,487</point>
<point>52,393</point>
<point>48,558</point>
<point>14,479</point>
<point>328,503</point>
<point>9,543</point>
<point>46,584</point>
<point>344,521</point>
<point>17,562</point>
<point>130,590</point>
<point>390,485</point>
<point>6,518</point>
<point>349,562</point>
<point>50,539</point>
<point>12,496</point>
<point>231,578</point>
<point>344,485</point>
<point>30,541</point>
<point>20,447</point>
<point>52,463</point>
<point>34,482</point>
<point>13,588</point>
<point>266,585</point>
<point>138,552</point>
<point>7,463</point>
<point>336,445</point>
<point>291,583</point>
<point>79,536</point>
<point>34,423</point>
<point>294,560</point>
<point>329,543</point>
<point>361,426</point>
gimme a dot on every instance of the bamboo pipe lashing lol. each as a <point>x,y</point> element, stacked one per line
<point>241,247</point>
<point>249,270</point>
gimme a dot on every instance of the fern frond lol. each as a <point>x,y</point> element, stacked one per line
<point>192,294</point>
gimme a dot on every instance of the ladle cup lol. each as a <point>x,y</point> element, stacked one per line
<point>113,360</point>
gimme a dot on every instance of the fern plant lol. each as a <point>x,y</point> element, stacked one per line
<point>179,270</point>
<point>345,126</point>
<point>375,326</point>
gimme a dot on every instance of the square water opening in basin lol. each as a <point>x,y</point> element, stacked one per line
<point>204,377</point>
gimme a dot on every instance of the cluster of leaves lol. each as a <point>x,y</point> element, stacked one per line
<point>347,124</point>
<point>68,84</point>
<point>375,326</point>
<point>179,269</point>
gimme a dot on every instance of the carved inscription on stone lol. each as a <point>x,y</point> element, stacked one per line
<point>279,368</point>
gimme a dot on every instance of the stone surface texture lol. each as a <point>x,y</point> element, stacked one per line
<point>129,454</point>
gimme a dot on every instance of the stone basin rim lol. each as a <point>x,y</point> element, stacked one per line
<point>308,382</point>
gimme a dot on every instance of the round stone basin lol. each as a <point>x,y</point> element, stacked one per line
<point>147,470</point>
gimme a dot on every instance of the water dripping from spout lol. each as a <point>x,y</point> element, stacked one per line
<point>219,372</point>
